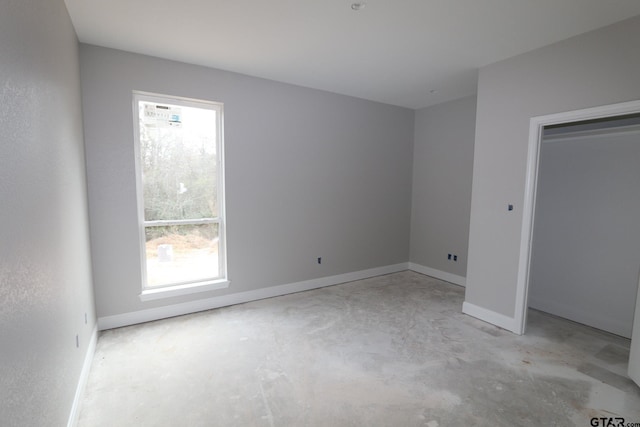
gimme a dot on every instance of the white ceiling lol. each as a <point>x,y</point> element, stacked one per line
<point>392,51</point>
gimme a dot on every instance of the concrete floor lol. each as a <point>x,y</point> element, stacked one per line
<point>388,351</point>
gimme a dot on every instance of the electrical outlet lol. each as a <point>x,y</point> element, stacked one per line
<point>319,260</point>
<point>455,257</point>
<point>449,256</point>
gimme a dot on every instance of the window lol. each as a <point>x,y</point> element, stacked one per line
<point>179,163</point>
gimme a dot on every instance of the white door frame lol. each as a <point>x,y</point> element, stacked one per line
<point>633,369</point>
<point>536,127</point>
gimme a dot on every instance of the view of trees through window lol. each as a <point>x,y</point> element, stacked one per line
<point>178,162</point>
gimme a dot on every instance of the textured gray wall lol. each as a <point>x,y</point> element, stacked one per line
<point>596,68</point>
<point>308,174</point>
<point>45,275</point>
<point>442,174</point>
<point>586,246</point>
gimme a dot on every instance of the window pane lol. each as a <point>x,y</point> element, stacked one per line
<point>178,159</point>
<point>181,253</point>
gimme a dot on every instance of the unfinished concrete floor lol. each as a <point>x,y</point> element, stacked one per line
<point>388,351</point>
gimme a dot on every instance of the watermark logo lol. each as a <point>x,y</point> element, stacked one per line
<point>612,422</point>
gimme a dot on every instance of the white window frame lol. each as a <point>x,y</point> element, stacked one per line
<point>176,289</point>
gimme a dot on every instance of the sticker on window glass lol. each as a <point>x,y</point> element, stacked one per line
<point>162,115</point>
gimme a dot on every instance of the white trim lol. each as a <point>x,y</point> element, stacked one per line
<point>84,376</point>
<point>131,318</point>
<point>438,274</point>
<point>535,134</point>
<point>195,221</point>
<point>497,319</point>
<point>187,289</point>
<point>218,108</point>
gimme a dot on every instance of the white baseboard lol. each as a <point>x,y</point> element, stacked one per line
<point>489,316</point>
<point>141,316</point>
<point>84,376</point>
<point>438,274</point>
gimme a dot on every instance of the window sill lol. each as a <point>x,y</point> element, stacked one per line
<point>178,290</point>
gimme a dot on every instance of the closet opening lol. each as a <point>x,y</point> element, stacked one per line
<point>585,251</point>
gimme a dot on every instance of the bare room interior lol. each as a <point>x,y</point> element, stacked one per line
<point>345,213</point>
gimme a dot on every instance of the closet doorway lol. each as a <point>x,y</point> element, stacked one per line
<point>541,127</point>
<point>585,253</point>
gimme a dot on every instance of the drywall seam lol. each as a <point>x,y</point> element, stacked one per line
<point>84,376</point>
<point>497,319</point>
<point>131,318</point>
<point>438,274</point>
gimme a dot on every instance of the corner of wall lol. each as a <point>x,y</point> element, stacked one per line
<point>84,377</point>
<point>438,274</point>
<point>489,316</point>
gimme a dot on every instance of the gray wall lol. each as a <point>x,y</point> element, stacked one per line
<point>586,246</point>
<point>45,275</point>
<point>308,174</point>
<point>442,173</point>
<point>596,68</point>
